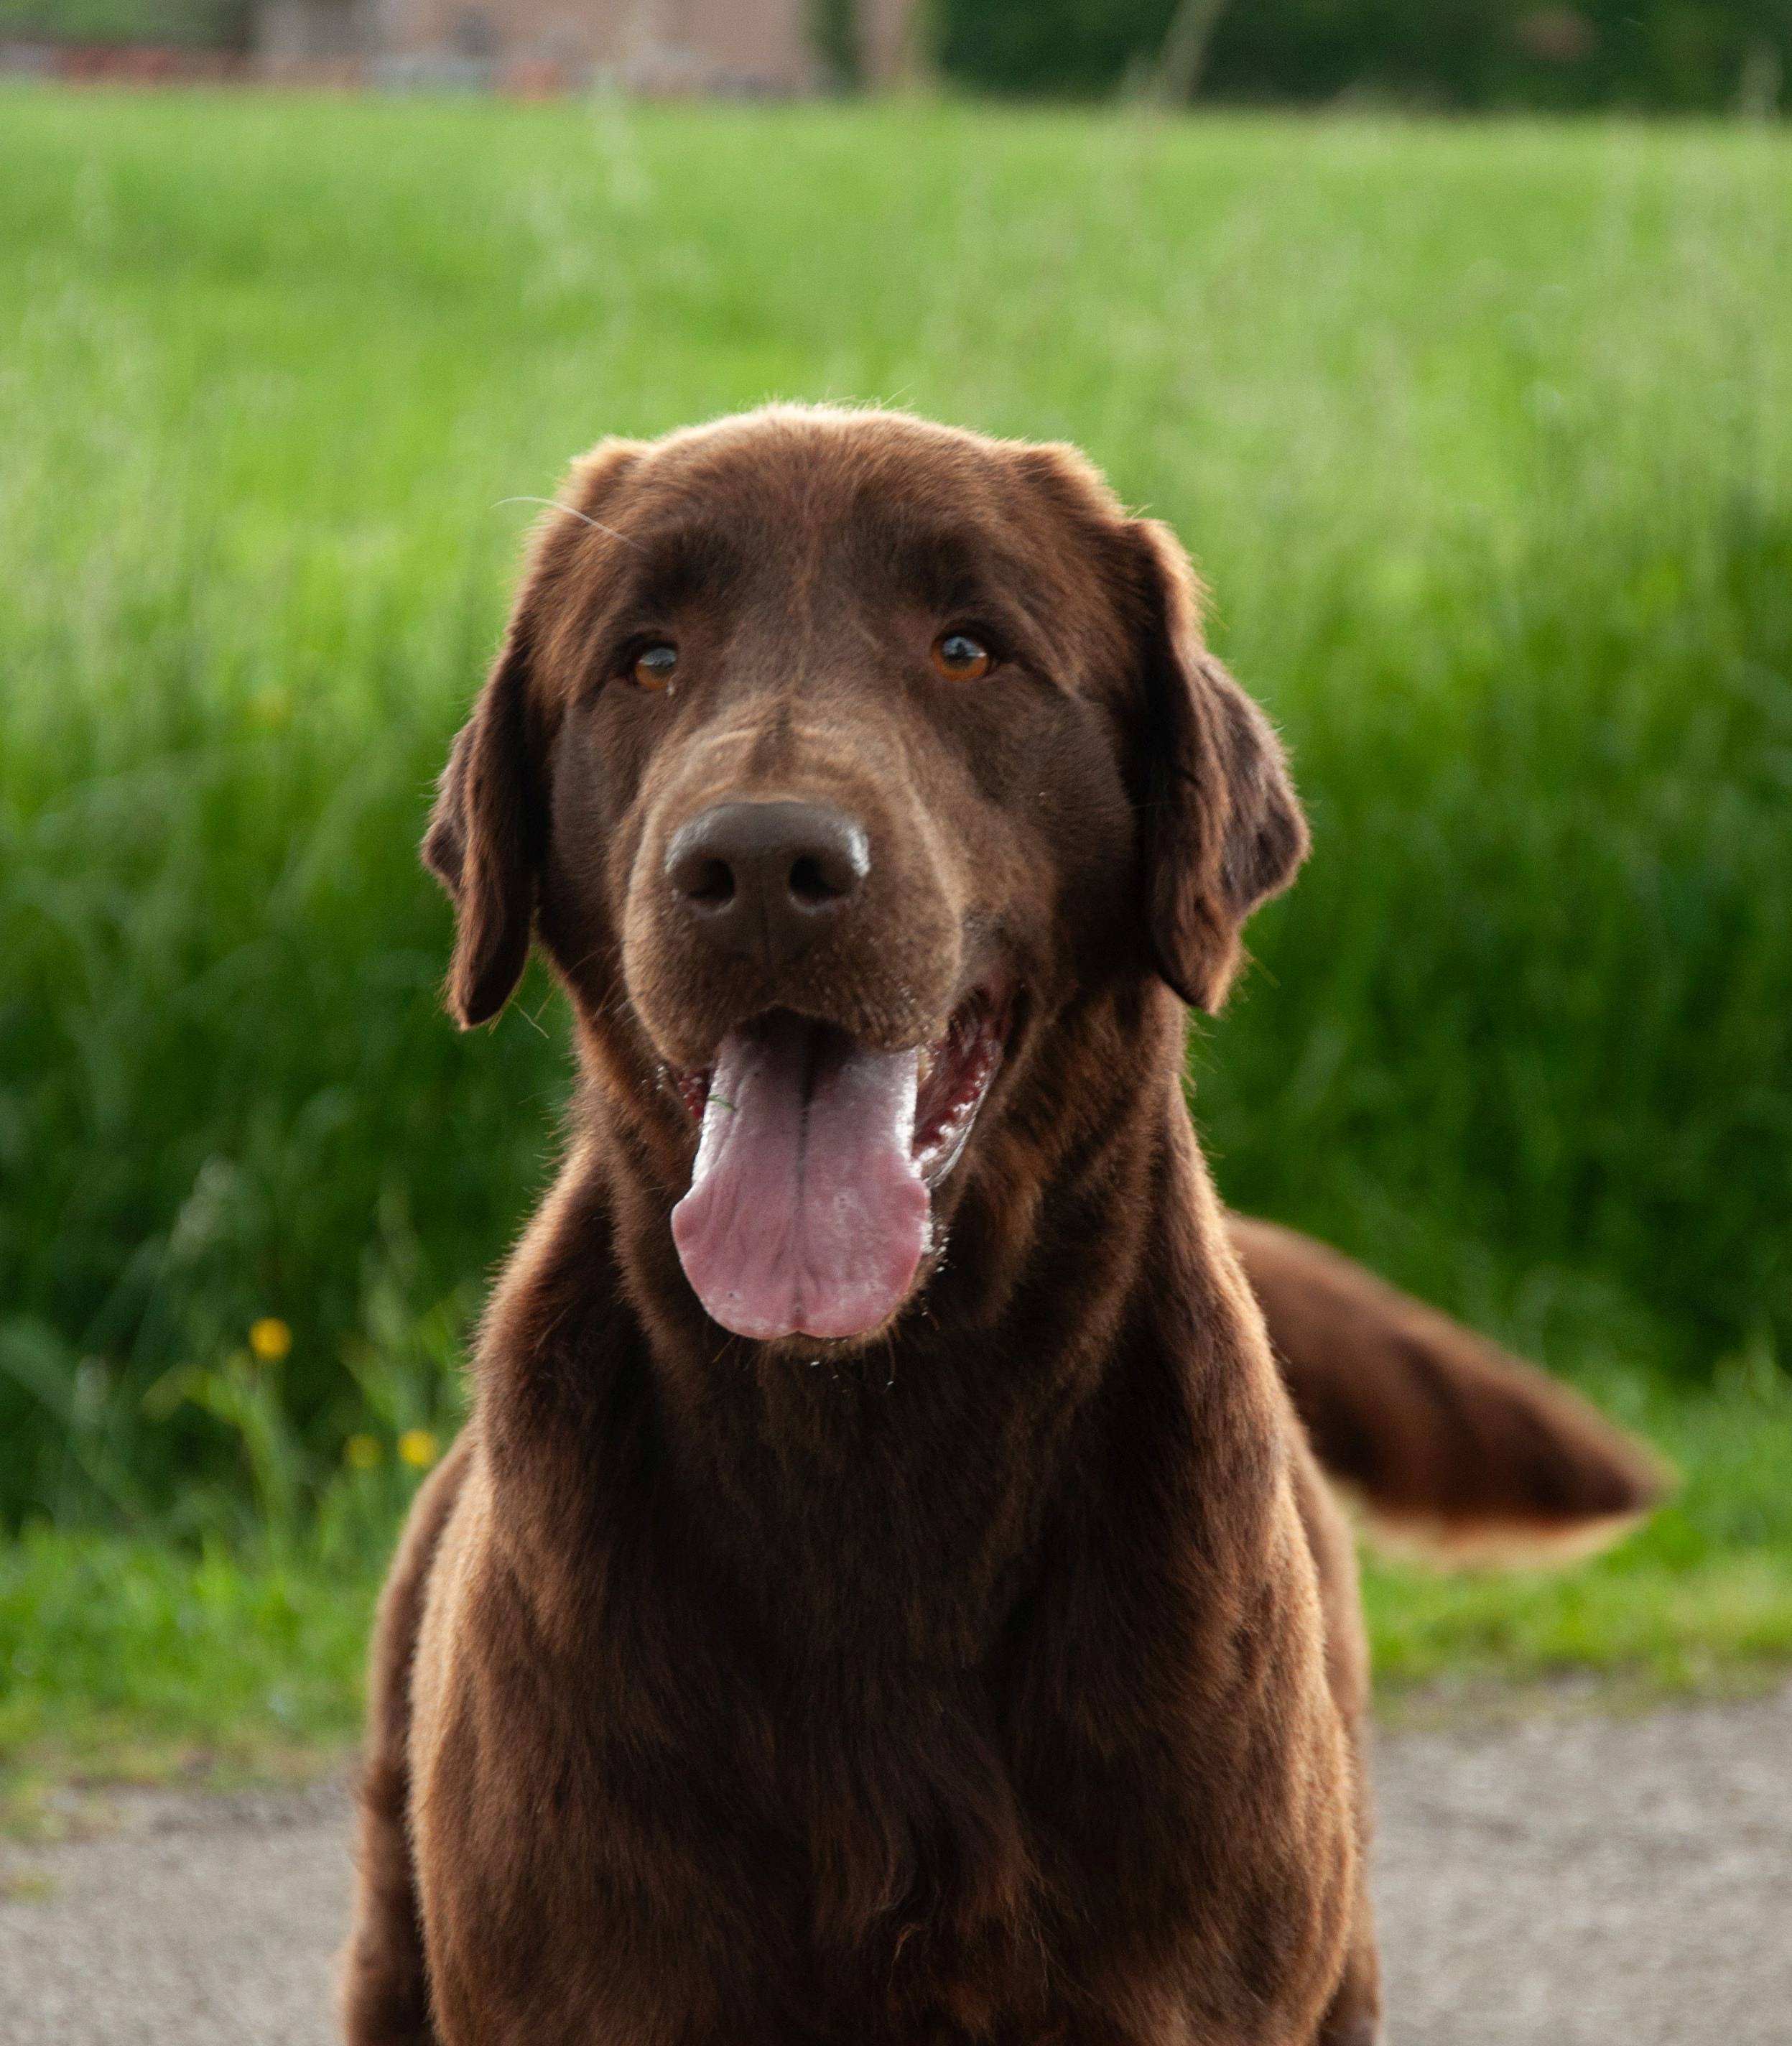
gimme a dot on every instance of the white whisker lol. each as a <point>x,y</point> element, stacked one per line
<point>572,511</point>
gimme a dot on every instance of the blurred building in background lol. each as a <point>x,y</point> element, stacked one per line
<point>660,48</point>
<point>1681,56</point>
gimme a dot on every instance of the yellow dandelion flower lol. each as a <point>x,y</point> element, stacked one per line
<point>418,1448</point>
<point>270,1339</point>
<point>362,1452</point>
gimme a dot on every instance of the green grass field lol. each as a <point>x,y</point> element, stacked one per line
<point>1483,437</point>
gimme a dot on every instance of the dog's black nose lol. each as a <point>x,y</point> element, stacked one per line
<point>763,880</point>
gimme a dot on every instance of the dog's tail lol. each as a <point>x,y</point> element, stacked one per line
<point>1452,1447</point>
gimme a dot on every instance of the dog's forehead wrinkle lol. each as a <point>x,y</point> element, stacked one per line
<point>685,560</point>
<point>864,630</point>
<point>809,572</point>
<point>773,749</point>
<point>832,512</point>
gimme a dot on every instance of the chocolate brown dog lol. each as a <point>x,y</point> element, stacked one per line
<point>884,1593</point>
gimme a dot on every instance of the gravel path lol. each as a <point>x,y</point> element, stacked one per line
<point>1561,1882</point>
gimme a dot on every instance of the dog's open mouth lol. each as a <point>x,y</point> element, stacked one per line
<point>810,1207</point>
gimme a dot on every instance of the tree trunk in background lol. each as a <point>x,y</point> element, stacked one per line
<point>834,31</point>
<point>895,38</point>
<point>1184,51</point>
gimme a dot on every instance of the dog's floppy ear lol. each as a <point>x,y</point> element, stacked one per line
<point>488,833</point>
<point>1222,827</point>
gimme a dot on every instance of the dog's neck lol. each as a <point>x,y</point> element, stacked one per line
<point>892,1499</point>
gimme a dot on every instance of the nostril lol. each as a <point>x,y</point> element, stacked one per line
<point>829,864</point>
<point>811,885</point>
<point>712,886</point>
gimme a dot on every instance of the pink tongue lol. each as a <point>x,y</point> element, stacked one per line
<point>807,1213</point>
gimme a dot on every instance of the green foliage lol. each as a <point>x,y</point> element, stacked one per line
<point>1672,54</point>
<point>239,1653</point>
<point>1072,48</point>
<point>140,1660</point>
<point>226,1640</point>
<point>1482,436</point>
<point>1680,54</point>
<point>160,24</point>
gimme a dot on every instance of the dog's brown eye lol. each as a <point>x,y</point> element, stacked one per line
<point>654,666</point>
<point>961,658</point>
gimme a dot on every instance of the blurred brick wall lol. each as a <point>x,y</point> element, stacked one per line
<point>673,47</point>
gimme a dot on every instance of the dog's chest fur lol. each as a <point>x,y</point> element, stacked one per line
<point>816,1724</point>
<point>837,1855</point>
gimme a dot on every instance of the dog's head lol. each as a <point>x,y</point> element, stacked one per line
<point>834,756</point>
